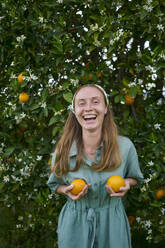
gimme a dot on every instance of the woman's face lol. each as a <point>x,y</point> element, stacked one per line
<point>90,108</point>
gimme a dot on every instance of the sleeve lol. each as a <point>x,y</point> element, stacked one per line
<point>53,181</point>
<point>133,168</point>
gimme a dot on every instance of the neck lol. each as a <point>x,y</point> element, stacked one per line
<point>91,141</point>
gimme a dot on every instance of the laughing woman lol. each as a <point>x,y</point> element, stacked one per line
<point>91,149</point>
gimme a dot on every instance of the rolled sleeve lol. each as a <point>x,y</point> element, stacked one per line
<point>53,181</point>
<point>133,168</point>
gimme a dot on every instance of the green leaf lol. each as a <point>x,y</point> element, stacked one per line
<point>133,91</point>
<point>68,97</point>
<point>55,130</point>
<point>9,151</point>
<point>117,99</point>
<point>52,120</point>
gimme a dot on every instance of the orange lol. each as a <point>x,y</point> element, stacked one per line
<point>129,100</point>
<point>78,184</point>
<point>131,219</point>
<point>115,182</point>
<point>159,193</point>
<point>20,78</point>
<point>99,74</point>
<point>24,97</point>
<point>10,159</point>
<point>90,76</point>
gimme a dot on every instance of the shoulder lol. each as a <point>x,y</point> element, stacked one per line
<point>125,141</point>
<point>126,145</point>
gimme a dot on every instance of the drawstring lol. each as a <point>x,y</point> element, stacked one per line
<point>91,216</point>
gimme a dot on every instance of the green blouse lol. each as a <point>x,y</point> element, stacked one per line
<point>97,220</point>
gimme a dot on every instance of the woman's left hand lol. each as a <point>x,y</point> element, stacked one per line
<point>123,190</point>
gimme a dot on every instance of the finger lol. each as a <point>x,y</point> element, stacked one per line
<point>109,189</point>
<point>69,188</point>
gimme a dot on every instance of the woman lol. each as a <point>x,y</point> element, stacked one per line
<point>91,149</point>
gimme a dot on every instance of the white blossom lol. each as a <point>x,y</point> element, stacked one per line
<point>94,27</point>
<point>149,86</point>
<point>147,223</point>
<point>163,211</point>
<point>18,226</point>
<point>53,142</point>
<point>160,27</point>
<point>138,219</point>
<point>97,43</point>
<point>39,158</point>
<point>41,19</point>
<point>74,82</point>
<point>60,1</point>
<point>43,105</point>
<point>20,218</point>
<point>143,189</point>
<point>21,38</point>
<point>6,179</point>
<point>50,196</point>
<point>157,126</point>
<point>150,163</point>
<point>148,8</point>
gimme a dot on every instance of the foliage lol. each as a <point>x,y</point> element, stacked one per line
<point>57,46</point>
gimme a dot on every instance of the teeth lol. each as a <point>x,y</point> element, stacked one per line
<point>89,116</point>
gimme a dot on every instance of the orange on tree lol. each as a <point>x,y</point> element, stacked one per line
<point>90,76</point>
<point>78,185</point>
<point>115,182</point>
<point>21,130</point>
<point>99,74</point>
<point>10,159</point>
<point>20,78</point>
<point>23,97</point>
<point>159,193</point>
<point>129,100</point>
<point>131,219</point>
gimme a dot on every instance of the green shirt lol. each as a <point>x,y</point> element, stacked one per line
<point>97,220</point>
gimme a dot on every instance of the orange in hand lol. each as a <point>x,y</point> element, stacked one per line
<point>78,185</point>
<point>115,182</point>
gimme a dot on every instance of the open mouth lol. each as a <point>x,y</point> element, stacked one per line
<point>89,117</point>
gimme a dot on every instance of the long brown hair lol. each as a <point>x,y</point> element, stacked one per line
<point>110,154</point>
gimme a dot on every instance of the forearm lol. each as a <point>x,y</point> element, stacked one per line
<point>131,181</point>
<point>61,189</point>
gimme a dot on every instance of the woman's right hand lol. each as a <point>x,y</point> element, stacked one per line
<point>66,190</point>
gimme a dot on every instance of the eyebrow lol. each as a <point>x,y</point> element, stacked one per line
<point>82,99</point>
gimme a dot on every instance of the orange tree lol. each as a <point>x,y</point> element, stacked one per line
<point>48,49</point>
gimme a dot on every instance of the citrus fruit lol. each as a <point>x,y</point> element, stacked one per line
<point>129,100</point>
<point>99,74</point>
<point>115,182</point>
<point>24,97</point>
<point>78,184</point>
<point>20,78</point>
<point>159,193</point>
<point>131,219</point>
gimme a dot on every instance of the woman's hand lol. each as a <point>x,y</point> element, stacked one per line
<point>66,190</point>
<point>123,190</point>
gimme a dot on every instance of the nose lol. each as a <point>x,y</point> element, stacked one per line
<point>88,106</point>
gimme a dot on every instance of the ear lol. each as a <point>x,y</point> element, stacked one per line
<point>105,111</point>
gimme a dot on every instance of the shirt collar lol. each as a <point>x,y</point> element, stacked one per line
<point>73,150</point>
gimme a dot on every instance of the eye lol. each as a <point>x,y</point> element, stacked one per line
<point>95,101</point>
<point>81,104</point>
